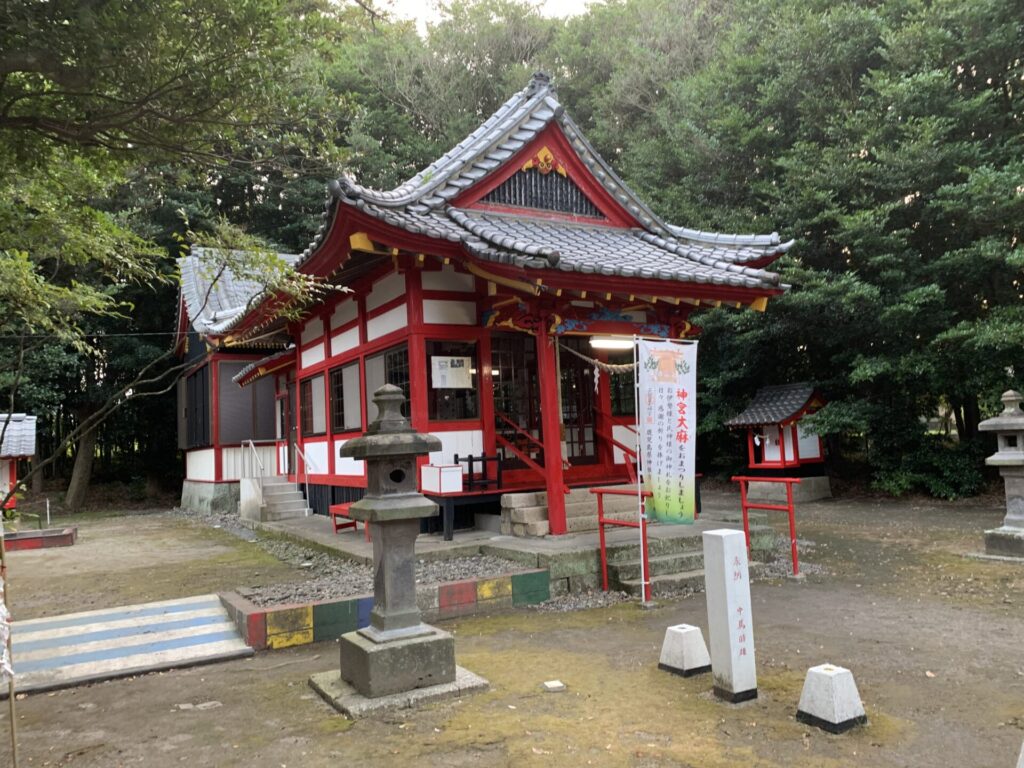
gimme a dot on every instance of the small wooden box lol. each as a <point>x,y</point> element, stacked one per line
<point>441,478</point>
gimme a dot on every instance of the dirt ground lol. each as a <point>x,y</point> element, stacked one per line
<point>933,639</point>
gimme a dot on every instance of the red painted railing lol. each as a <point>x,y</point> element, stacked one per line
<point>787,507</point>
<point>602,521</point>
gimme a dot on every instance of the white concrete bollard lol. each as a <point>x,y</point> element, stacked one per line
<point>830,699</point>
<point>683,651</point>
<point>730,623</point>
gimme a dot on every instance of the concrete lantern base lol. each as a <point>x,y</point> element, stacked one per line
<point>381,668</point>
<point>1006,542</point>
<point>683,651</point>
<point>347,700</point>
<point>830,700</point>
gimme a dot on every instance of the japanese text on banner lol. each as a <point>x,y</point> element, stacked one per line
<point>667,412</point>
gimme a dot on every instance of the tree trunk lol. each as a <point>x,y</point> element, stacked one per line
<point>37,478</point>
<point>972,416</point>
<point>82,473</point>
<point>958,414</point>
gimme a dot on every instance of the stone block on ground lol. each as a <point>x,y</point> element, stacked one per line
<point>529,514</point>
<point>347,700</point>
<point>830,699</point>
<point>683,651</point>
<point>379,669</point>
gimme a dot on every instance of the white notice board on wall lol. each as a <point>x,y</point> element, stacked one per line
<point>451,372</point>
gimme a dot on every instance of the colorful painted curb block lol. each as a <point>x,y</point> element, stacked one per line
<point>50,537</point>
<point>290,625</point>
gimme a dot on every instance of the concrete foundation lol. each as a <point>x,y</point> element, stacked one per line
<point>347,700</point>
<point>379,669</point>
<point>683,651</point>
<point>809,489</point>
<point>209,497</point>
<point>1005,542</point>
<point>830,699</point>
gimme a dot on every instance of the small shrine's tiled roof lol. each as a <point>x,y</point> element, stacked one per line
<point>774,405</point>
<point>19,436</point>
<point>282,356</point>
<point>215,299</point>
<point>423,205</point>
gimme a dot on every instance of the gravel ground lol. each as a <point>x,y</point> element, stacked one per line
<point>333,577</point>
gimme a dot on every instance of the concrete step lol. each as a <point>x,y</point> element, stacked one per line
<point>275,480</point>
<point>624,553</point>
<point>272,515</point>
<point>665,584</point>
<point>282,496</point>
<point>660,565</point>
<point>288,506</point>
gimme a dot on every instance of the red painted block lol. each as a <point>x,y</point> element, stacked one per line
<point>256,631</point>
<point>456,595</point>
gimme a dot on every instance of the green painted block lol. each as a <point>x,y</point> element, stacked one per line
<point>530,588</point>
<point>331,620</point>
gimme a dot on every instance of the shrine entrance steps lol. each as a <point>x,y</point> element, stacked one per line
<point>282,500</point>
<point>526,514</point>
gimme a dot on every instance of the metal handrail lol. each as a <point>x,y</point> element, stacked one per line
<point>248,469</point>
<point>305,473</point>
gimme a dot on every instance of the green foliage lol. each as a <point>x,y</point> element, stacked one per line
<point>937,467</point>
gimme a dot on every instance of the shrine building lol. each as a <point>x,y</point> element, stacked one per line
<point>486,287</point>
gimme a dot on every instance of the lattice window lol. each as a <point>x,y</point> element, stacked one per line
<point>543,192</point>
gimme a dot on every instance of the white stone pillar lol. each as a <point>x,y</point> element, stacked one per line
<point>730,624</point>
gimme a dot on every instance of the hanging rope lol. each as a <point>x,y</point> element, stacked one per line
<point>601,366</point>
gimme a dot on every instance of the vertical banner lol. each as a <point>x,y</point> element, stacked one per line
<point>667,414</point>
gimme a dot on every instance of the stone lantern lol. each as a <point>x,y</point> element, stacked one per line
<point>397,651</point>
<point>1008,540</point>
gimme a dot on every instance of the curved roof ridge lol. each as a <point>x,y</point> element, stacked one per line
<point>675,247</point>
<point>494,133</point>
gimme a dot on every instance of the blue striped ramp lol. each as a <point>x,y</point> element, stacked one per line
<point>65,651</point>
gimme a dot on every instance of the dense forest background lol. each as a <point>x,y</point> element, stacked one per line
<point>887,137</point>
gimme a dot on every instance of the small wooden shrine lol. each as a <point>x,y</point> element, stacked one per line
<point>19,443</point>
<point>777,442</point>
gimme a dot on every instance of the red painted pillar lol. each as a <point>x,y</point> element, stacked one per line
<point>551,427</point>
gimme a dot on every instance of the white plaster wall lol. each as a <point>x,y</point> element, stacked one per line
<point>392,320</point>
<point>312,330</point>
<point>347,466</point>
<point>810,446</point>
<point>344,313</point>
<point>344,341</point>
<point>5,474</point>
<point>447,279</point>
<point>449,312</point>
<point>465,443</point>
<point>316,456</point>
<point>626,436</point>
<point>199,464</point>
<point>313,355</point>
<point>390,287</point>
<point>282,459</point>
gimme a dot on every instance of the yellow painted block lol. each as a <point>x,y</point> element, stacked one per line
<point>290,620</point>
<point>491,589</point>
<point>288,639</point>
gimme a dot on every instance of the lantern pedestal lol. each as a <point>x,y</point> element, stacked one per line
<point>1008,539</point>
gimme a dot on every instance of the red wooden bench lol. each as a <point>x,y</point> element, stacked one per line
<point>339,514</point>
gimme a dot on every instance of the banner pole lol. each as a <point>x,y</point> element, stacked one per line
<point>641,513</point>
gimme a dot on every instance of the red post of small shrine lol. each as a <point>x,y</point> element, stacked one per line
<point>551,427</point>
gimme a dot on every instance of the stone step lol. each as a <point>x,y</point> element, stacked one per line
<point>275,480</point>
<point>283,496</point>
<point>660,565</point>
<point>666,583</point>
<point>656,547</point>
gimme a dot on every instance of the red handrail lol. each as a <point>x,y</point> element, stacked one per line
<point>523,433</point>
<point>746,505</point>
<point>501,441</point>
<point>602,521</point>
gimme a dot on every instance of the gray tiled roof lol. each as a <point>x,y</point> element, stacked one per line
<point>216,302</point>
<point>20,435</point>
<point>422,205</point>
<point>274,357</point>
<point>773,405</point>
